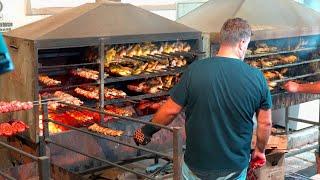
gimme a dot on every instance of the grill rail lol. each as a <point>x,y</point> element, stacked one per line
<point>43,163</point>
<point>176,131</point>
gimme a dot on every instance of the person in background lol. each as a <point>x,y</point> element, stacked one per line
<point>220,96</point>
<point>293,87</point>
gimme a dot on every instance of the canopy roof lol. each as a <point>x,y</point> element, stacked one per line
<point>96,20</point>
<point>268,18</point>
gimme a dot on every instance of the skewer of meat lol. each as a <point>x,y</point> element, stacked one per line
<point>103,130</point>
<point>15,106</point>
<point>87,94</point>
<point>46,80</point>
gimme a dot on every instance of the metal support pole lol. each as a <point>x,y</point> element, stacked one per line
<point>287,120</point>
<point>44,168</point>
<point>319,131</point>
<point>45,131</point>
<point>101,78</point>
<point>177,153</point>
<point>156,160</point>
<point>317,153</point>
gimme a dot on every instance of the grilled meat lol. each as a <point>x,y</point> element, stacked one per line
<point>121,111</point>
<point>288,59</point>
<point>86,73</point>
<point>46,80</point>
<point>79,116</point>
<point>273,61</point>
<point>146,107</point>
<point>112,93</point>
<point>154,85</point>
<point>14,106</point>
<point>269,75</point>
<point>272,85</point>
<point>93,93</point>
<point>120,70</point>
<point>264,48</point>
<point>62,96</point>
<point>87,94</point>
<point>103,130</point>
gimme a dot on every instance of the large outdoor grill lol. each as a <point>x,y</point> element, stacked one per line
<point>61,61</point>
<point>285,44</point>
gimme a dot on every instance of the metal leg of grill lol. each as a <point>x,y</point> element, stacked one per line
<point>317,154</point>
<point>287,119</point>
<point>177,153</point>
<point>45,131</point>
<point>44,168</point>
<point>319,130</point>
<point>101,79</point>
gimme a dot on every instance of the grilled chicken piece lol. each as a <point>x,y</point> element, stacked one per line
<point>168,48</point>
<point>264,48</point>
<point>288,59</point>
<point>272,85</point>
<point>48,81</point>
<point>266,63</point>
<point>186,47</point>
<point>151,66</point>
<point>120,70</point>
<point>272,75</point>
<point>248,52</point>
<point>140,69</point>
<point>168,82</point>
<point>110,55</point>
<point>256,64</point>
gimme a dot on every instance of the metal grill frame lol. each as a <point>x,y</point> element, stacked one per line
<point>175,158</point>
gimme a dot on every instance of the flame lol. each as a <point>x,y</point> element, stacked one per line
<point>53,128</point>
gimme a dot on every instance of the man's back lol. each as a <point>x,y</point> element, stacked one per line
<point>220,96</point>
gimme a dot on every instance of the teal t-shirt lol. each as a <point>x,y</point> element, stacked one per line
<point>220,96</point>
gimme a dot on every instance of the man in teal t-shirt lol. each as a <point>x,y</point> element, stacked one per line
<point>220,96</point>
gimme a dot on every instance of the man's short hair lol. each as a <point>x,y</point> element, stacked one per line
<point>234,30</point>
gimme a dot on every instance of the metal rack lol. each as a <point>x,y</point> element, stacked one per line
<point>281,52</point>
<point>175,158</point>
<point>43,163</point>
<point>290,65</point>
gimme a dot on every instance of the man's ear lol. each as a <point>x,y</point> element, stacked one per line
<point>242,44</point>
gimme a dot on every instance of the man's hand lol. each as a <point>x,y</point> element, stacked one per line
<point>292,87</point>
<point>143,136</point>
<point>258,159</point>
<point>140,138</point>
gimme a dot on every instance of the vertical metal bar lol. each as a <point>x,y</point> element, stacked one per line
<point>286,118</point>
<point>101,78</point>
<point>44,168</point>
<point>36,111</point>
<point>177,153</point>
<point>319,131</point>
<point>156,160</point>
<point>45,131</point>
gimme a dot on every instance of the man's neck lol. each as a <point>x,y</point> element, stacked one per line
<point>228,52</point>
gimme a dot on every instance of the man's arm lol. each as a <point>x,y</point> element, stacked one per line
<point>258,157</point>
<point>167,112</point>
<point>313,88</point>
<point>164,116</point>
<point>263,129</point>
